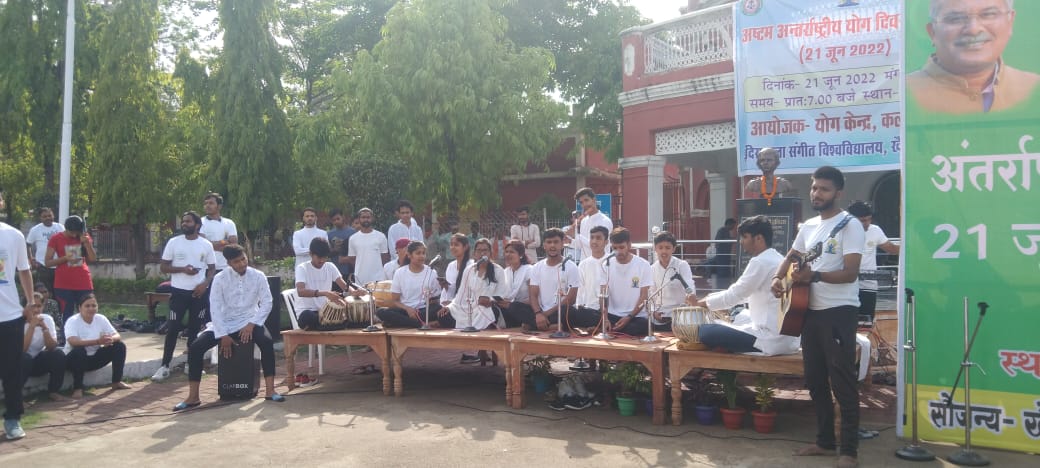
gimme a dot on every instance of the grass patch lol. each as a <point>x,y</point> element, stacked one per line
<point>30,418</point>
<point>134,312</point>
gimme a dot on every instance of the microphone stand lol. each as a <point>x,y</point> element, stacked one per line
<point>650,338</point>
<point>967,456</point>
<point>561,291</point>
<point>471,300</point>
<point>914,451</point>
<point>604,321</point>
<point>426,297</point>
<point>371,313</point>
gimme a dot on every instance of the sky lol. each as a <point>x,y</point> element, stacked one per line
<point>658,10</point>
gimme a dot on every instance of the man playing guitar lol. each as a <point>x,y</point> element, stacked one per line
<point>829,332</point>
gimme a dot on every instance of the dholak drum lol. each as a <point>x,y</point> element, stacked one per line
<point>381,292</point>
<point>686,324</point>
<point>358,310</point>
<point>332,316</point>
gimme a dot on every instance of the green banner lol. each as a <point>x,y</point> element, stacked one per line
<point>972,214</point>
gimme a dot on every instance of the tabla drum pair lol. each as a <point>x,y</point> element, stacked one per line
<point>353,313</point>
<point>686,324</point>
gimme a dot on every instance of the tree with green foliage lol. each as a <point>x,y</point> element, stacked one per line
<point>130,171</point>
<point>251,160</point>
<point>448,92</point>
<point>376,182</point>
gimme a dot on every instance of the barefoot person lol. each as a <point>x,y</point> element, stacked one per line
<point>91,342</point>
<point>240,300</point>
<point>41,355</point>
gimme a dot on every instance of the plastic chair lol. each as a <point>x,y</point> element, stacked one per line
<point>289,295</point>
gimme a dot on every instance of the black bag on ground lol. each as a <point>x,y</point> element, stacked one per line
<point>238,378</point>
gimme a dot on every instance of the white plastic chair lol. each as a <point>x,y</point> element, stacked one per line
<point>289,295</point>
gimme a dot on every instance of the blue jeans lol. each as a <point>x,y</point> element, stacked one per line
<point>720,336</point>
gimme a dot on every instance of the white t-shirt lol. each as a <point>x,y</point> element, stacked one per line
<point>398,231</point>
<point>530,236</point>
<point>367,249</point>
<point>79,328</point>
<point>180,251</point>
<point>875,237</point>
<point>849,240</point>
<point>581,238</point>
<point>36,344</point>
<point>410,285</point>
<point>546,277</point>
<point>13,258</point>
<point>674,294</point>
<point>216,230</point>
<point>301,242</point>
<point>519,284</point>
<point>389,268</point>
<point>451,274</point>
<point>624,283</point>
<point>317,279</point>
<point>592,270</point>
<point>38,237</point>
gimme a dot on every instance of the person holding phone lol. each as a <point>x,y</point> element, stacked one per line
<point>71,252</point>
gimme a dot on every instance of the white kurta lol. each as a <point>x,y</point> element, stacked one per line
<point>465,307</point>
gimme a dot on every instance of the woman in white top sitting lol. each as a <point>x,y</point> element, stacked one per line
<point>91,343</point>
<point>411,291</point>
<point>517,302</point>
<point>474,300</point>
<point>459,248</point>
<point>40,352</point>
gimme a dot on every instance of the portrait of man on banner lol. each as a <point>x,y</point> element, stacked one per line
<point>967,72</point>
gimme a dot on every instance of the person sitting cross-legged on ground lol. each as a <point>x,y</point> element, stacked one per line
<point>240,300</point>
<point>91,342</point>
<point>41,355</point>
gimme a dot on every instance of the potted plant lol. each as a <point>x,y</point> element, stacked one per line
<point>631,376</point>
<point>732,415</point>
<point>765,417</point>
<point>705,393</point>
<point>540,371</point>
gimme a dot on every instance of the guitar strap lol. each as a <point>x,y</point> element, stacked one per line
<point>840,226</point>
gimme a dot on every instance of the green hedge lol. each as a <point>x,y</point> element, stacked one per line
<point>108,289</point>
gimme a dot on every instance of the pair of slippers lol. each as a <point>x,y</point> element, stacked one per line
<point>182,406</point>
<point>365,370</point>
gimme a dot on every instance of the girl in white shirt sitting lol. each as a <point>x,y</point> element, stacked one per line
<point>91,342</point>
<point>411,291</point>
<point>40,352</point>
<point>516,304</point>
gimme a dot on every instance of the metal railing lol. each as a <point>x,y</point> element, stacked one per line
<point>695,39</point>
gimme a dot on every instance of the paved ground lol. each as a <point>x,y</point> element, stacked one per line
<point>451,415</point>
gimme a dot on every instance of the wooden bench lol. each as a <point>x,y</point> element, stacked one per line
<point>153,299</point>
<point>376,340</point>
<point>681,362</point>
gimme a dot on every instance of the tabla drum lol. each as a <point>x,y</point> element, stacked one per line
<point>332,315</point>
<point>358,310</point>
<point>686,324</point>
<point>381,292</point>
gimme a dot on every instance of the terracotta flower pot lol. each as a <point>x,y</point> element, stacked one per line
<point>764,421</point>
<point>733,418</point>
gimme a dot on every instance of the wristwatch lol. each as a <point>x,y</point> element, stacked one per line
<point>816,277</point>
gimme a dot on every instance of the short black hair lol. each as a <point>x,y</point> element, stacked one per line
<point>665,236</point>
<point>194,217</point>
<point>232,251</point>
<point>832,174</point>
<point>74,223</point>
<point>41,209</point>
<point>730,222</point>
<point>553,232</point>
<point>312,210</point>
<point>620,235</point>
<point>860,209</point>
<point>583,192</point>
<point>335,212</point>
<point>215,196</point>
<point>404,204</point>
<point>600,229</point>
<point>757,226</point>
<point>523,209</point>
<point>320,247</point>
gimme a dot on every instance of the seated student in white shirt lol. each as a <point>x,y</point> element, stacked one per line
<point>398,260</point>
<point>593,271</point>
<point>676,278</point>
<point>481,283</point>
<point>628,281</point>
<point>40,352</point>
<point>412,291</point>
<point>517,302</point>
<point>554,284</point>
<point>90,344</point>
<point>240,301</point>
<point>762,332</point>
<point>314,281</point>
<point>460,249</point>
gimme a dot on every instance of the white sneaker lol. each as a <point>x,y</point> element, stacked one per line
<point>162,374</point>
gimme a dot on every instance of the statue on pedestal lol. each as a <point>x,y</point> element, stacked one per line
<point>768,186</point>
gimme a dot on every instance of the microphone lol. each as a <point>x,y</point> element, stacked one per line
<point>610,257</point>
<point>483,259</point>
<point>435,259</point>
<point>679,277</point>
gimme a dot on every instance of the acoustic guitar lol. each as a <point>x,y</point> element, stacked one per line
<point>794,302</point>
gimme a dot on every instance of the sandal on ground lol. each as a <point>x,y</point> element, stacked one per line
<point>277,398</point>
<point>360,370</point>
<point>185,405</point>
<point>812,450</point>
<point>371,369</point>
<point>121,386</point>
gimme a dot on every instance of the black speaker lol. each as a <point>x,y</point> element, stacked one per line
<point>274,319</point>
<point>238,377</point>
